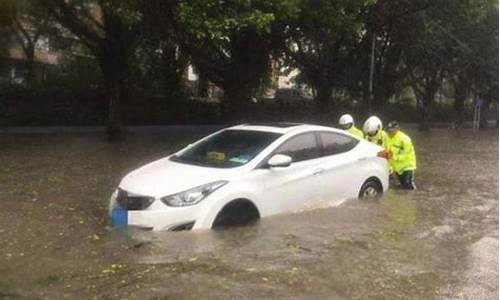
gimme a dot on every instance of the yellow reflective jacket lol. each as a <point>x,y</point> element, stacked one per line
<point>381,139</point>
<point>356,132</point>
<point>403,153</point>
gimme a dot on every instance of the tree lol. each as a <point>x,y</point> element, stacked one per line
<point>476,54</point>
<point>471,38</point>
<point>230,44</point>
<point>29,24</point>
<point>426,55</point>
<point>320,40</point>
<point>456,40</point>
<point>111,30</point>
<point>383,40</point>
<point>6,22</point>
<point>485,73</point>
<point>159,65</point>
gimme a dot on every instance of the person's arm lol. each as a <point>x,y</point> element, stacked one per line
<point>385,142</point>
<point>405,150</point>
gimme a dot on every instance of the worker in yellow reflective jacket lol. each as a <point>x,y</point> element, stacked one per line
<point>374,132</point>
<point>347,123</point>
<point>401,155</point>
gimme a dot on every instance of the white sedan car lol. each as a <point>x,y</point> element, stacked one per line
<point>242,173</point>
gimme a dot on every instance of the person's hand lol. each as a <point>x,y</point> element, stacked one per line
<point>383,154</point>
<point>389,154</point>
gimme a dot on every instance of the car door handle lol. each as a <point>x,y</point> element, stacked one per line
<point>318,171</point>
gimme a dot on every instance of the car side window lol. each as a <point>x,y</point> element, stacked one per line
<point>300,148</point>
<point>336,143</point>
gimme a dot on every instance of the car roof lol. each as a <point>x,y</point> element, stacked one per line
<point>283,127</point>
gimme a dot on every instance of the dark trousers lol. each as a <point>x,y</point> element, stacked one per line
<point>407,180</point>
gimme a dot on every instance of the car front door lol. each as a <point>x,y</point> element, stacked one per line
<point>292,188</point>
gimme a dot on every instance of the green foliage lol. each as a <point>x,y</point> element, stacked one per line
<point>476,55</point>
<point>230,42</point>
<point>320,39</point>
<point>451,39</point>
<point>142,47</point>
<point>78,72</point>
<point>218,20</point>
<point>127,12</point>
<point>6,12</point>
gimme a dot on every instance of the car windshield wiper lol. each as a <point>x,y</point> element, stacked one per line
<point>188,161</point>
<point>204,163</point>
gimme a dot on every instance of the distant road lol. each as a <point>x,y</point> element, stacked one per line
<point>100,129</point>
<point>160,129</point>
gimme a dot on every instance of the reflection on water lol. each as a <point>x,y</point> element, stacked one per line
<point>440,241</point>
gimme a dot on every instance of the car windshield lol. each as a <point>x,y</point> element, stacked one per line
<point>227,149</point>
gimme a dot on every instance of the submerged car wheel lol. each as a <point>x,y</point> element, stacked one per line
<point>236,213</point>
<point>370,189</point>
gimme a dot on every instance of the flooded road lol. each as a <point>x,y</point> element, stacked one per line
<point>438,242</point>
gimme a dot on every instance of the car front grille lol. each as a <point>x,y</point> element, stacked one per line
<point>130,201</point>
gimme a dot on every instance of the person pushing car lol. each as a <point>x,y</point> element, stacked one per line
<point>347,123</point>
<point>374,132</point>
<point>401,156</point>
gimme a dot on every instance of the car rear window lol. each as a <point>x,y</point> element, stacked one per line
<point>336,143</point>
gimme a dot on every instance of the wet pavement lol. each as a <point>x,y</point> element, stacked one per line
<point>439,242</point>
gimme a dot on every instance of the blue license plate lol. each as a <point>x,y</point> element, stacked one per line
<point>119,218</point>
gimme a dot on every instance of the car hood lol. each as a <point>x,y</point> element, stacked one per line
<point>165,177</point>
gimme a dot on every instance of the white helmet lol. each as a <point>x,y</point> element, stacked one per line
<point>346,120</point>
<point>372,125</point>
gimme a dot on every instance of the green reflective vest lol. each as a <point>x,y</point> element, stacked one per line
<point>381,139</point>
<point>403,154</point>
<point>355,131</point>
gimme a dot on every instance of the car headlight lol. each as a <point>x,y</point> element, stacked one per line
<point>194,195</point>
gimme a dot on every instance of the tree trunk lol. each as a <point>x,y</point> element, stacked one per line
<point>30,67</point>
<point>425,90</point>
<point>202,85</point>
<point>114,67</point>
<point>485,109</point>
<point>236,105</point>
<point>114,125</point>
<point>323,101</point>
<point>427,103</point>
<point>424,116</point>
<point>459,104</point>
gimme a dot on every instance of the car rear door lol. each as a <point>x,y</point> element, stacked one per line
<point>340,162</point>
<point>292,188</point>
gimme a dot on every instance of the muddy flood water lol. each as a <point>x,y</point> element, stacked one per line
<point>438,242</point>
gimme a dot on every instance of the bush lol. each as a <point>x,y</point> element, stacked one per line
<point>49,106</point>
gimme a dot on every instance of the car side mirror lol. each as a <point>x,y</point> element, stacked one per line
<point>279,160</point>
